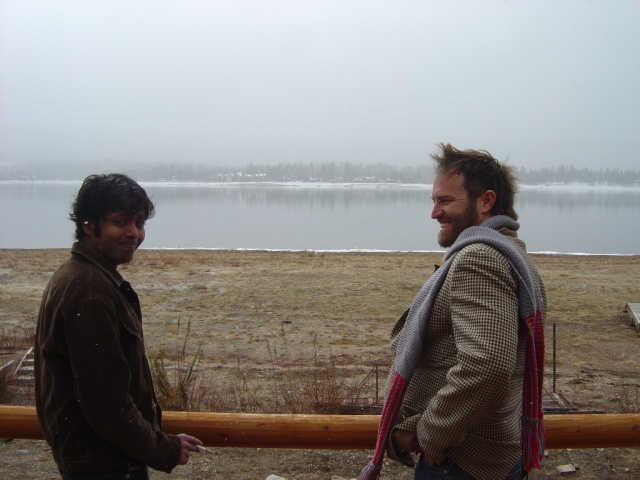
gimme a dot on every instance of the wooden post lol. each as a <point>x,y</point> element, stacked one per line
<point>19,422</point>
<point>605,430</point>
<point>335,432</point>
<point>339,432</point>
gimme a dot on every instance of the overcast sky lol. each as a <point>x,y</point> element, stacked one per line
<point>541,83</point>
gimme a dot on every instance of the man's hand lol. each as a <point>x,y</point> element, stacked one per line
<point>404,440</point>
<point>407,441</point>
<point>189,444</point>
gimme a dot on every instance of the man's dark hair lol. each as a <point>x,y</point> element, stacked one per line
<point>102,194</point>
<point>481,172</point>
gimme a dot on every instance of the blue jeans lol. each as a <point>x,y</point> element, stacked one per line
<point>125,472</point>
<point>450,471</point>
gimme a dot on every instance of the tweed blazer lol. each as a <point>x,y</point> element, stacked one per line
<point>465,399</point>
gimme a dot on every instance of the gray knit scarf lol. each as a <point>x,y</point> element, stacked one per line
<point>411,339</point>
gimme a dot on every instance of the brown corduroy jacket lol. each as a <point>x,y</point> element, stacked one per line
<point>94,394</point>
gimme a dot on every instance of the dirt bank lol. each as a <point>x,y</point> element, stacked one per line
<point>257,314</point>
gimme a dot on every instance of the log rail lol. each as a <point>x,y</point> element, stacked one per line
<point>338,432</point>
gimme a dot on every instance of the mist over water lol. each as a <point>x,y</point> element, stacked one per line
<point>594,220</point>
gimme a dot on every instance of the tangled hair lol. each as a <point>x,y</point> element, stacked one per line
<point>481,172</point>
<point>103,194</point>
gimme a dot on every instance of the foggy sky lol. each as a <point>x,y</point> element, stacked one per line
<point>541,83</point>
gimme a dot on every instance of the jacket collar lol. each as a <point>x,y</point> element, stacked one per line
<point>90,255</point>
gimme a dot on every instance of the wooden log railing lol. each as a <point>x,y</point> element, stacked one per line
<point>339,432</point>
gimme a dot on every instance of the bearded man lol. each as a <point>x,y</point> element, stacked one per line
<point>466,384</point>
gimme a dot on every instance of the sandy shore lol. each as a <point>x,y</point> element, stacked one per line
<point>254,314</point>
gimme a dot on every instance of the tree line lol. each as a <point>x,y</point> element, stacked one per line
<point>325,172</point>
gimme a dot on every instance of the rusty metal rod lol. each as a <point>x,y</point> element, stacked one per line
<point>339,432</point>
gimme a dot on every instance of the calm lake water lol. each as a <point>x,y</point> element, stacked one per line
<point>591,220</point>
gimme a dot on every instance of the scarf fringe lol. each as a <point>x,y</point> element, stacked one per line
<point>397,388</point>
<point>370,472</point>
<point>532,420</point>
<point>532,442</point>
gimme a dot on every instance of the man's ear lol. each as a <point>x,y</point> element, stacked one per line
<point>87,227</point>
<point>487,200</point>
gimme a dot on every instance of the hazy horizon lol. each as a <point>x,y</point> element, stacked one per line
<point>539,83</point>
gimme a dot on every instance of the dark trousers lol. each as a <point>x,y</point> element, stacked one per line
<point>450,471</point>
<point>131,471</point>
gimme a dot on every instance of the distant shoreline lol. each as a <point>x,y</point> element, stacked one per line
<point>195,183</point>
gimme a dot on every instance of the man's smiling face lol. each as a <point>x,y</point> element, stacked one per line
<point>452,207</point>
<point>120,235</point>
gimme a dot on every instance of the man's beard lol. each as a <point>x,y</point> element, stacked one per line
<point>460,223</point>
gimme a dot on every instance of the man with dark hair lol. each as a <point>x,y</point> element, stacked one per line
<point>466,385</point>
<point>94,392</point>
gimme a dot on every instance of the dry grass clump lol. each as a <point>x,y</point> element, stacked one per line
<point>13,343</point>
<point>17,338</point>
<point>175,375</point>
<point>7,384</point>
<point>315,385</point>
